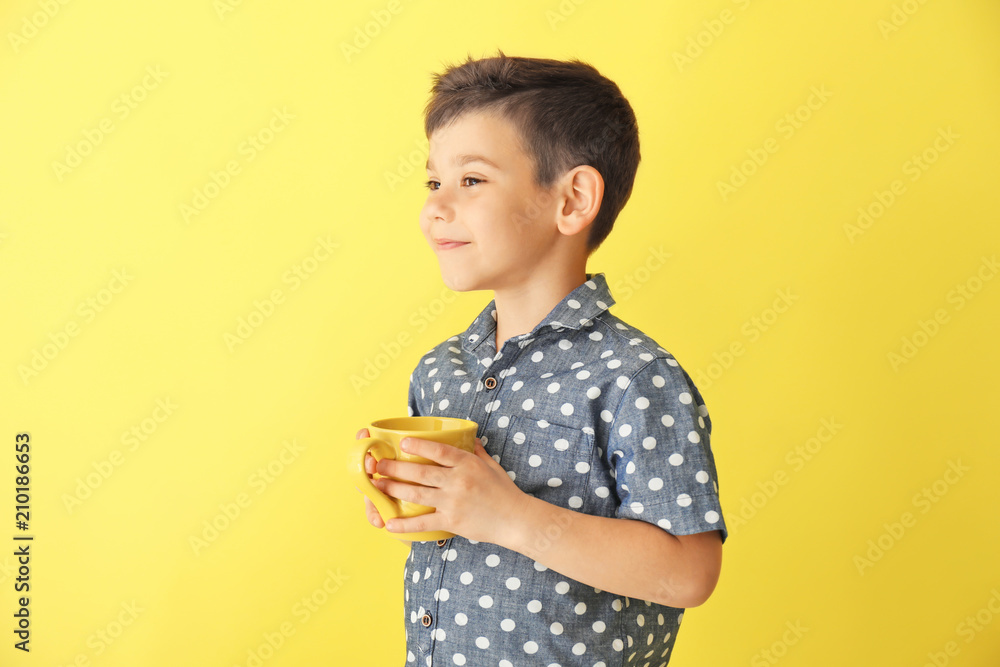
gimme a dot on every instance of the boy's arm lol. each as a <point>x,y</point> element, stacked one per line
<point>623,556</point>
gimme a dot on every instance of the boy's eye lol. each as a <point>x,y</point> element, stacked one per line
<point>434,185</point>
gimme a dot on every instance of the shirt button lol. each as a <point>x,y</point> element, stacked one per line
<point>441,543</point>
<point>491,382</point>
<point>426,620</point>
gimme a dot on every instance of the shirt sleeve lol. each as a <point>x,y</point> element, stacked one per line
<point>660,454</point>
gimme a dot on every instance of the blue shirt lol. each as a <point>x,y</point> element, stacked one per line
<point>585,412</point>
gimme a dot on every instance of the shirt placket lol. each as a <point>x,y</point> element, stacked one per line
<point>487,389</point>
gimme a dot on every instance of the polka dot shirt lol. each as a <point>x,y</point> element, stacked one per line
<point>584,412</point>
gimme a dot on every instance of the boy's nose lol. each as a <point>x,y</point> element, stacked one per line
<point>440,209</point>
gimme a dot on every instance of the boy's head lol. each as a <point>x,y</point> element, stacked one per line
<point>560,115</point>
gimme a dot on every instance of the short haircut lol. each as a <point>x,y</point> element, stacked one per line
<point>567,114</point>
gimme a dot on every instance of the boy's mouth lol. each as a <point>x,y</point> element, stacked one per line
<point>447,244</point>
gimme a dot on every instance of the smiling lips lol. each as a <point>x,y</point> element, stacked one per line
<point>448,244</point>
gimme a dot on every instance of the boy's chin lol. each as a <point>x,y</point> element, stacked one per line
<point>460,283</point>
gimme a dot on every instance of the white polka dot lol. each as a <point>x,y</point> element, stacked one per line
<point>580,608</point>
<point>537,356</point>
<point>583,375</point>
<point>667,420</point>
<point>642,402</point>
<point>562,444</point>
<point>439,634</point>
<point>617,645</point>
<point>630,467</point>
<point>599,626</point>
<point>503,663</point>
<point>553,388</point>
<point>684,398</point>
<point>640,620</point>
<point>562,588</point>
<point>513,583</point>
<point>443,404</point>
<point>649,442</point>
<point>596,335</point>
<point>444,594</point>
<point>579,648</point>
<point>517,385</point>
<point>461,619</point>
<point>684,500</point>
<point>493,560</point>
<point>602,491</point>
<point>466,578</point>
<point>712,516</point>
<point>565,344</point>
<point>664,524</point>
<point>622,381</point>
<point>694,437</point>
<point>518,438</point>
<point>507,625</point>
<point>534,460</point>
<point>636,507</point>
<point>503,421</point>
<point>566,409</point>
<point>614,363</point>
<point>655,484</point>
<point>458,658</point>
<point>482,642</point>
<point>554,481</point>
<point>616,604</point>
<point>528,404</point>
<point>486,602</point>
<point>593,393</point>
<point>534,606</point>
<point>530,648</point>
<point>676,459</point>
<point>416,577</point>
<point>582,467</point>
<point>573,303</point>
<point>701,476</point>
<point>556,628</point>
<point>624,430</point>
<point>606,415</point>
<point>576,502</point>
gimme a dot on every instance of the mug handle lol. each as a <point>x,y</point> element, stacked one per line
<point>387,507</point>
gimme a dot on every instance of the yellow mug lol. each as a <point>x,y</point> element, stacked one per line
<point>384,443</point>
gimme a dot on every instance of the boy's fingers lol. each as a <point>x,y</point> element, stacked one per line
<point>374,518</point>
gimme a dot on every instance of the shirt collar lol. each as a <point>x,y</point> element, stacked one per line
<point>587,301</point>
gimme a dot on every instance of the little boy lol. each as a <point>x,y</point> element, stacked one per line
<point>588,518</point>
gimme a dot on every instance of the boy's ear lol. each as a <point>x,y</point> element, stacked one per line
<point>580,194</point>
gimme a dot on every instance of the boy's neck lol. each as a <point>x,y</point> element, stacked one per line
<point>521,307</point>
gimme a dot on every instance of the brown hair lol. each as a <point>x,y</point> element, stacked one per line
<point>567,113</point>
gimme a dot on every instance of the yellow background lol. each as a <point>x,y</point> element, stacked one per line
<point>339,173</point>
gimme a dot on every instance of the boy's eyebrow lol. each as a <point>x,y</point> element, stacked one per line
<point>464,159</point>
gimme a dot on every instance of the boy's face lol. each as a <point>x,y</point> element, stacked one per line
<point>506,224</point>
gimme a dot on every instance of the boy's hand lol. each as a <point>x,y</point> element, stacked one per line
<point>472,494</point>
<point>374,518</point>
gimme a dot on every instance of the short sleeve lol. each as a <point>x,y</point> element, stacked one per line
<point>660,454</point>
